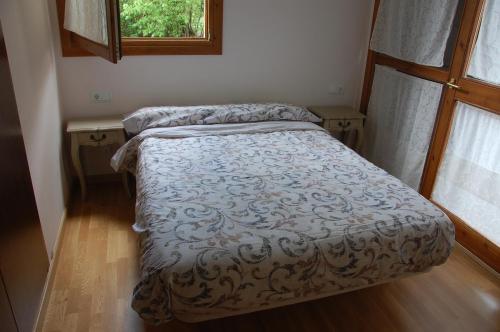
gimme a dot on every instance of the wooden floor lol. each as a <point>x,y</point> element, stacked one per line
<point>98,266</point>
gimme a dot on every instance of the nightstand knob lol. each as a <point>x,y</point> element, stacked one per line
<point>340,124</point>
<point>348,123</point>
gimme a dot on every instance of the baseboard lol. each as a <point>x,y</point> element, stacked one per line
<point>478,260</point>
<point>49,281</point>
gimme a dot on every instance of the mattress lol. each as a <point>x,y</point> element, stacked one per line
<point>236,218</point>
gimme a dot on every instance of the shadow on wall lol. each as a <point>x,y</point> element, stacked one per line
<point>29,42</point>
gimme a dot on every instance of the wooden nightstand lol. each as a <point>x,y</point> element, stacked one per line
<point>95,132</point>
<point>341,118</point>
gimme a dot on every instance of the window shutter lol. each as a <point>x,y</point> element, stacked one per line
<point>95,27</point>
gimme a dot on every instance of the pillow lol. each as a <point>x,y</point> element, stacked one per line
<point>174,116</point>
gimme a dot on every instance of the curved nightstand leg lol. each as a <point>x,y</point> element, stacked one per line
<point>359,138</point>
<point>126,184</point>
<point>125,181</point>
<point>75,156</point>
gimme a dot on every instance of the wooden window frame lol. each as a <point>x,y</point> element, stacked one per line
<point>210,45</point>
<point>435,74</point>
<point>484,96</point>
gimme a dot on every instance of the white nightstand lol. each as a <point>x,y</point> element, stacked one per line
<point>341,118</point>
<point>95,132</point>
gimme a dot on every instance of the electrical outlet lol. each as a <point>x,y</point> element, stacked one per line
<point>101,97</point>
<point>334,89</point>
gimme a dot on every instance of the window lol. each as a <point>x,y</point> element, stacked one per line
<point>461,172</point>
<point>162,18</point>
<point>155,27</point>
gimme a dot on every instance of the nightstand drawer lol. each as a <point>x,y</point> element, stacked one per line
<point>343,124</point>
<point>98,138</point>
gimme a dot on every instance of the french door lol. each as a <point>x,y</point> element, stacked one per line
<point>463,162</point>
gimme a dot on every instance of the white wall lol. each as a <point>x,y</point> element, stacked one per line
<point>280,50</point>
<point>28,37</point>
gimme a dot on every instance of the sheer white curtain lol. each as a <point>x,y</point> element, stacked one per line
<point>414,30</point>
<point>87,18</point>
<point>401,116</point>
<point>468,181</point>
<point>485,62</point>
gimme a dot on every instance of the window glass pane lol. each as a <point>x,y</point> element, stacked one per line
<point>87,19</point>
<point>163,18</point>
<point>468,181</point>
<point>485,62</point>
<point>401,116</point>
<point>422,32</point>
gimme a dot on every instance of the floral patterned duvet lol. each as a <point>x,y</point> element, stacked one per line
<point>236,219</point>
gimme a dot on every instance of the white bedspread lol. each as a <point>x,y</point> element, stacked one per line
<point>244,217</point>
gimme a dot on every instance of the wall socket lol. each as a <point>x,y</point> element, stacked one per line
<point>101,97</point>
<point>334,89</point>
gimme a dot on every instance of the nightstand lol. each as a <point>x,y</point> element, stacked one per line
<point>95,132</point>
<point>341,118</point>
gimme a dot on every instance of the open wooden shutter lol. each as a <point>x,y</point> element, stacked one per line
<point>94,26</point>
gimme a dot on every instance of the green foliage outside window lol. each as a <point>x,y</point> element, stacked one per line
<point>162,18</point>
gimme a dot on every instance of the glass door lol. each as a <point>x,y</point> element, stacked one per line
<point>462,173</point>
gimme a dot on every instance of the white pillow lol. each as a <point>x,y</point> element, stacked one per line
<point>174,116</point>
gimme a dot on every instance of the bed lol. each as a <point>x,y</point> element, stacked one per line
<point>243,208</point>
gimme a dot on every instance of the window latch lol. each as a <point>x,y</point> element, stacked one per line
<point>452,85</point>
